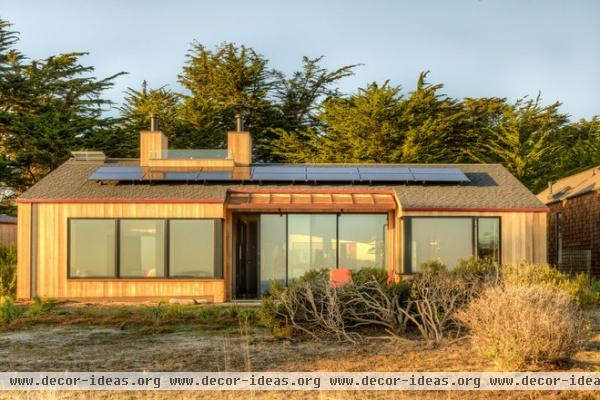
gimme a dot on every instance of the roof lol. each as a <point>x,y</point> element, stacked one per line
<point>491,187</point>
<point>571,186</point>
<point>7,219</point>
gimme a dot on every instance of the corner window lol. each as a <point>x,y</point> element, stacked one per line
<point>92,248</point>
<point>449,240</point>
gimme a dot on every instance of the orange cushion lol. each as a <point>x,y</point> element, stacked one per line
<point>340,276</point>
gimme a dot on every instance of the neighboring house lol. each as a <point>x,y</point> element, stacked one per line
<point>210,224</point>
<point>8,230</point>
<point>574,222</point>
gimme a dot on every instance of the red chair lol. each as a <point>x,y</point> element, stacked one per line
<point>340,276</point>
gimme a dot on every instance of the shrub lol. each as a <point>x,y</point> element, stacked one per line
<point>433,266</point>
<point>436,295</point>
<point>581,287</point>
<point>370,274</point>
<point>8,271</point>
<point>521,325</point>
<point>208,314</point>
<point>40,307</point>
<point>8,310</point>
<point>156,313</point>
<point>312,306</point>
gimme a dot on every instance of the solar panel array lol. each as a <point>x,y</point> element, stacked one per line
<point>289,174</point>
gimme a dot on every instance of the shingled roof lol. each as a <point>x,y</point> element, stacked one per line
<point>491,186</point>
<point>571,186</point>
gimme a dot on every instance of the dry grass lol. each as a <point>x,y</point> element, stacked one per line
<point>95,340</point>
<point>519,326</point>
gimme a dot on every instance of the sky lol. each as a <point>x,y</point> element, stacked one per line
<point>503,48</point>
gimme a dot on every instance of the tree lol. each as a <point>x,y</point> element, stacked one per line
<point>528,141</point>
<point>48,108</point>
<point>232,82</point>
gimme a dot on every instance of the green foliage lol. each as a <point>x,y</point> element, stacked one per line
<point>156,313</point>
<point>433,266</point>
<point>208,314</point>
<point>8,271</point>
<point>9,311</point>
<point>584,289</point>
<point>48,107</point>
<point>363,275</point>
<point>40,307</point>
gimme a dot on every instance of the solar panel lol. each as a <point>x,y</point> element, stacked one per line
<point>178,176</point>
<point>285,173</point>
<point>117,174</point>
<point>214,176</point>
<point>278,169</point>
<point>452,174</point>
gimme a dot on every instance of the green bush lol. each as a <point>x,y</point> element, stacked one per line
<point>433,266</point>
<point>8,271</point>
<point>363,275</point>
<point>581,287</point>
<point>208,314</point>
<point>8,310</point>
<point>40,307</point>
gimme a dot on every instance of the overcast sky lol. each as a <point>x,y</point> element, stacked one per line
<point>506,48</point>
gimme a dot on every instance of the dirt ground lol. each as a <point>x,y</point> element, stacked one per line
<point>185,348</point>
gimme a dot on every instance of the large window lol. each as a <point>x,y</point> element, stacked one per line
<point>311,243</point>
<point>92,248</point>
<point>272,250</point>
<point>292,244</point>
<point>194,248</point>
<point>449,240</point>
<point>362,240</point>
<point>145,248</point>
<point>142,249</point>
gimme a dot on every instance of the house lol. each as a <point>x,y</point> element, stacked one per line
<point>211,224</point>
<point>574,222</point>
<point>8,230</point>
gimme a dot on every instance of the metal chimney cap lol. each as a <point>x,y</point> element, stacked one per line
<point>154,123</point>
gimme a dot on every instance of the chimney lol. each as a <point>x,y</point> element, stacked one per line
<point>239,147</point>
<point>550,188</point>
<point>154,123</point>
<point>153,143</point>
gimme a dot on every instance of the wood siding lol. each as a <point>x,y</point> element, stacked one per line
<point>52,253</point>
<point>523,234</point>
<point>8,234</point>
<point>239,145</point>
<point>24,251</point>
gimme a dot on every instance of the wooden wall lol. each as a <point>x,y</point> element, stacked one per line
<point>23,250</point>
<point>51,254</point>
<point>523,234</point>
<point>8,234</point>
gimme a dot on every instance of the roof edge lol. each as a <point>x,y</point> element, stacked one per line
<point>483,209</point>
<point>120,200</point>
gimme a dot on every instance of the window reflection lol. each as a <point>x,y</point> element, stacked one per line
<point>142,244</point>
<point>92,248</point>
<point>311,243</point>
<point>488,238</point>
<point>362,240</point>
<point>447,240</point>
<point>194,248</point>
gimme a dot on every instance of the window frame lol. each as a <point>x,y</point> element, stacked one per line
<point>69,243</point>
<point>167,222</point>
<point>407,233</point>
<point>337,233</point>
